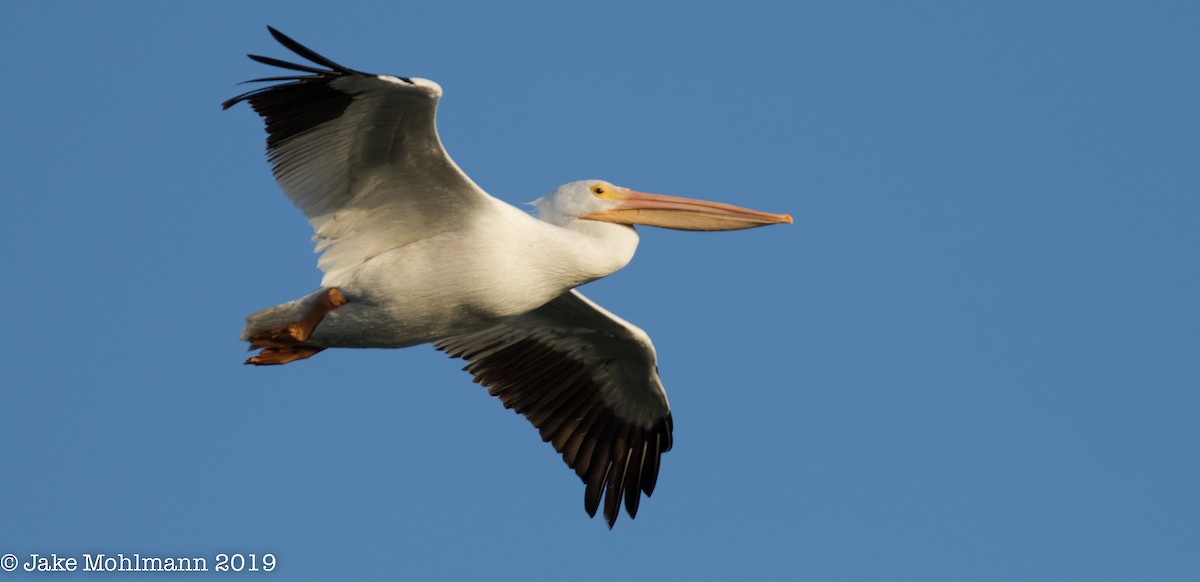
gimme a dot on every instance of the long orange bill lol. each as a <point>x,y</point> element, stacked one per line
<point>682,213</point>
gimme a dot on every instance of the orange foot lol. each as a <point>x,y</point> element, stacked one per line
<point>285,344</point>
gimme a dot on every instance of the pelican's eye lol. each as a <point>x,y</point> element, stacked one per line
<point>602,190</point>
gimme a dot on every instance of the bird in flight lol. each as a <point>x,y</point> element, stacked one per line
<point>414,252</point>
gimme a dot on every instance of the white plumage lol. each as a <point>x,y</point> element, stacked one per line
<point>415,252</point>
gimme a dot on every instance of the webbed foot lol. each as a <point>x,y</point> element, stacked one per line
<point>286,343</point>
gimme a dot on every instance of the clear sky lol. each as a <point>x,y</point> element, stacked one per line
<point>974,356</point>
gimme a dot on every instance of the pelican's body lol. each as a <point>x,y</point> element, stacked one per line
<point>415,252</point>
<point>502,263</point>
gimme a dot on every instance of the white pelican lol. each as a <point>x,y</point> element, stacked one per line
<point>415,252</point>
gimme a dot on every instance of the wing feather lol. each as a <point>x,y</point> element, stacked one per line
<point>633,495</point>
<point>274,62</point>
<point>306,52</point>
<point>588,381</point>
<point>359,154</point>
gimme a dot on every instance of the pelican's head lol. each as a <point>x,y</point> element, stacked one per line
<point>599,200</point>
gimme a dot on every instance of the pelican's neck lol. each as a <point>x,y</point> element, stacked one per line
<point>589,249</point>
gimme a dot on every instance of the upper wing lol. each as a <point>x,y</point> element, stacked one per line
<point>588,380</point>
<point>360,155</point>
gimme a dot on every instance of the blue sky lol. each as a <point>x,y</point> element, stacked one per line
<point>972,357</point>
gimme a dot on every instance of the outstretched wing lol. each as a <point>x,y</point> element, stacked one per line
<point>359,154</point>
<point>588,380</point>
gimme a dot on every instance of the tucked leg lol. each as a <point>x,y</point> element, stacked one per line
<point>285,344</point>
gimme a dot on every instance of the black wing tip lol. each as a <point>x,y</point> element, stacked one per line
<point>610,515</point>
<point>226,104</point>
<point>303,51</point>
<point>333,69</point>
<point>591,504</point>
<point>629,475</point>
<point>274,62</point>
<point>280,37</point>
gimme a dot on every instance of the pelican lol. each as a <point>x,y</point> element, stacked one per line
<point>414,252</point>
